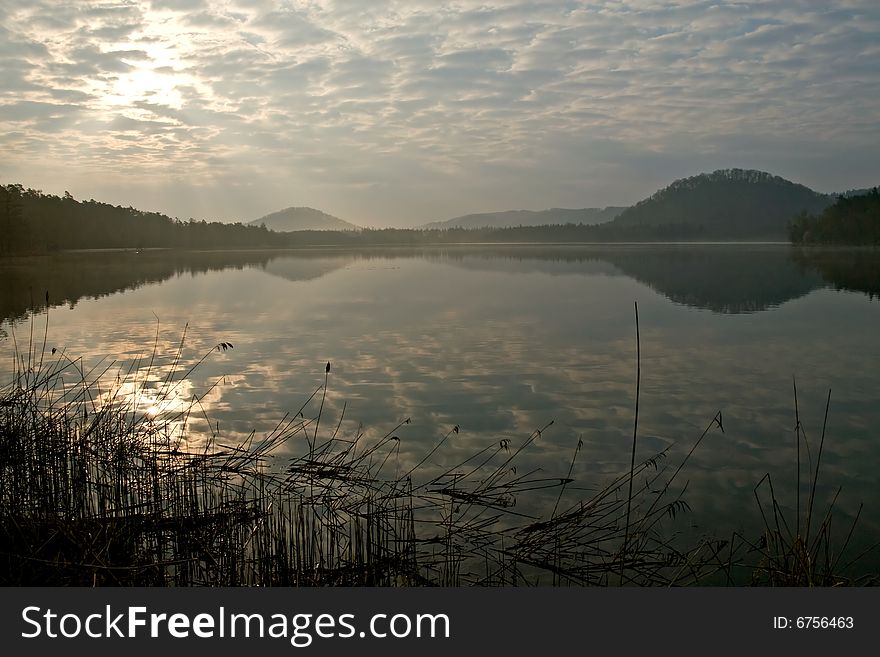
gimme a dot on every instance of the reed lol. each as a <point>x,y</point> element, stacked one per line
<point>801,549</point>
<point>96,491</point>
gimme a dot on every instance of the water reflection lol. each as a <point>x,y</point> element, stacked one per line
<point>857,270</point>
<point>720,278</point>
<point>724,279</point>
<point>71,276</point>
<point>501,340</point>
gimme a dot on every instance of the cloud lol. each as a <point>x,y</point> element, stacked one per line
<point>352,106</point>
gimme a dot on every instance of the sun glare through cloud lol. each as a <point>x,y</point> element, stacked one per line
<point>397,113</point>
<point>435,293</point>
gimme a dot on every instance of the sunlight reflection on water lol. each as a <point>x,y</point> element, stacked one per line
<point>499,342</point>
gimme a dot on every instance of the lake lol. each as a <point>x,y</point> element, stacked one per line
<point>499,341</point>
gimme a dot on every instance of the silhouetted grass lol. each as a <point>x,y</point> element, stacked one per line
<point>97,490</point>
<point>802,550</point>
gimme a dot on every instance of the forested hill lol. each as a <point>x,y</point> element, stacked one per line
<point>31,221</point>
<point>726,204</point>
<point>852,220</point>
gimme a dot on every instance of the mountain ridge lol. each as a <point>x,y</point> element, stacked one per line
<point>514,218</point>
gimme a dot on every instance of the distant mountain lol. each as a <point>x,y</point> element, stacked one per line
<point>725,204</point>
<point>513,218</point>
<point>291,219</point>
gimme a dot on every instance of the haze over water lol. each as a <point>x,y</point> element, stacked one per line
<point>501,340</point>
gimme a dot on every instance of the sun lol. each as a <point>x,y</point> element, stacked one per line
<point>145,84</point>
<point>156,68</point>
<point>155,75</point>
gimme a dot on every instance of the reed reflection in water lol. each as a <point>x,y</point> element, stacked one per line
<point>500,340</point>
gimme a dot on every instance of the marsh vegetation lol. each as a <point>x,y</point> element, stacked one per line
<point>100,487</point>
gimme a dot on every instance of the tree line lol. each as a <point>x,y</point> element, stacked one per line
<point>850,220</point>
<point>34,222</point>
<point>560,233</point>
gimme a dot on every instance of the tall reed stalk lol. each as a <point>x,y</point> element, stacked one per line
<point>95,490</point>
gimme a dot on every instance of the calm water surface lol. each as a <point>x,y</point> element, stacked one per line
<point>501,340</point>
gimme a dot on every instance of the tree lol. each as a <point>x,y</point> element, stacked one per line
<point>14,233</point>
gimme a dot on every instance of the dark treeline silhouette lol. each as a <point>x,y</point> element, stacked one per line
<point>561,234</point>
<point>851,220</point>
<point>34,222</point>
<point>509,218</point>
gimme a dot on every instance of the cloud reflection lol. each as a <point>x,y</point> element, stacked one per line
<point>501,344</point>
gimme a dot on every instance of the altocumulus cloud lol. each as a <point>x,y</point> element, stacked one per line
<point>397,113</point>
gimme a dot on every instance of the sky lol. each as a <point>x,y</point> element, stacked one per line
<point>392,113</point>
